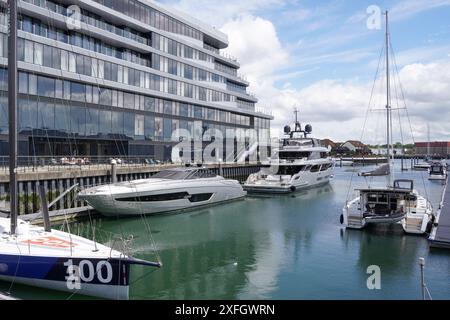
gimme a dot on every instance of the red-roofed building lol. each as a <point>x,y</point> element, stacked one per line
<point>437,148</point>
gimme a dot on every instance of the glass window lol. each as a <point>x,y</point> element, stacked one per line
<point>56,58</point>
<point>149,104</point>
<point>38,52</point>
<point>64,60</point>
<point>91,122</point>
<point>48,59</point>
<point>117,122</point>
<point>128,100</point>
<point>62,117</point>
<point>79,64</point>
<point>78,120</point>
<point>188,72</point>
<point>105,122</point>
<point>46,114</point>
<point>46,86</point>
<point>78,91</point>
<point>158,127</point>
<point>27,115</point>
<point>167,107</point>
<point>167,129</point>
<point>105,97</point>
<point>149,127</point>
<point>58,89</point>
<point>128,124</point>
<point>139,126</point>
<point>184,110</point>
<point>4,115</point>
<point>23,82</point>
<point>198,112</point>
<point>29,51</point>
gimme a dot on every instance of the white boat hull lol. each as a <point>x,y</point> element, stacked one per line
<point>61,261</point>
<point>437,177</point>
<point>108,200</point>
<point>273,185</point>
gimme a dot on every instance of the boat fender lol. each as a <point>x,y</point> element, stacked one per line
<point>293,188</point>
<point>341,219</point>
<point>429,227</point>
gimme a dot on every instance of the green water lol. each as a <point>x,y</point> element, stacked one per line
<point>283,247</point>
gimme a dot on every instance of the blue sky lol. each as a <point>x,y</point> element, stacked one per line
<point>321,57</point>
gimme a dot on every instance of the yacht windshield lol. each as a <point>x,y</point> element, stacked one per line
<point>172,174</point>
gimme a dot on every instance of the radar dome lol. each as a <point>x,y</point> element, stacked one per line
<point>287,129</point>
<point>308,128</point>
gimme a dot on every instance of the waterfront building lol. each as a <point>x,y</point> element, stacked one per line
<point>117,77</point>
<point>433,148</point>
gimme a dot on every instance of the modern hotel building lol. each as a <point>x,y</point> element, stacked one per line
<point>117,77</point>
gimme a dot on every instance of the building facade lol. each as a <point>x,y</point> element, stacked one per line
<point>117,77</point>
<point>433,149</point>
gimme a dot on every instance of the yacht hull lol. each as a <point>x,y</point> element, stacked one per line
<point>192,195</point>
<point>66,262</point>
<point>306,180</point>
<point>103,278</point>
<point>437,177</point>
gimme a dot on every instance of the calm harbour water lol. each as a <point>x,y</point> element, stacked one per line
<point>281,247</point>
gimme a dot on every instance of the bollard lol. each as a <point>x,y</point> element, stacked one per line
<point>113,171</point>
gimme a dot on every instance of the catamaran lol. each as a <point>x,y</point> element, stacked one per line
<point>44,257</point>
<point>437,171</point>
<point>300,162</point>
<point>398,202</point>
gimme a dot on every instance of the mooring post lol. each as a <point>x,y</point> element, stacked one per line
<point>44,208</point>
<point>422,280</point>
<point>113,171</point>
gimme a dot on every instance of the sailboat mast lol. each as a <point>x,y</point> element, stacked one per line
<point>12,111</point>
<point>388,106</point>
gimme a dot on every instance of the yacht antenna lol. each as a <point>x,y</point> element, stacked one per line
<point>297,124</point>
<point>388,106</point>
<point>12,104</point>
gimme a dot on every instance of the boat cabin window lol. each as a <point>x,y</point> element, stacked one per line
<point>156,197</point>
<point>298,142</point>
<point>325,166</point>
<point>199,174</point>
<point>290,170</point>
<point>436,169</point>
<point>403,184</point>
<point>315,168</point>
<point>293,155</point>
<point>171,174</point>
<point>382,203</point>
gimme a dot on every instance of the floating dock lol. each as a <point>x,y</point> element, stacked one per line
<point>440,234</point>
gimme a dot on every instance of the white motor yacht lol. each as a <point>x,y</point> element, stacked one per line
<point>167,190</point>
<point>300,162</point>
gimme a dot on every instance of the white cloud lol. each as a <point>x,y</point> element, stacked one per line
<point>254,40</point>
<point>217,13</point>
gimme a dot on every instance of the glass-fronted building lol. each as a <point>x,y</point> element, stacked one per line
<point>117,77</point>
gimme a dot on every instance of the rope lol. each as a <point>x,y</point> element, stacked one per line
<point>365,119</point>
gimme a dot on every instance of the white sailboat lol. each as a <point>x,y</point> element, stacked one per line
<point>48,258</point>
<point>398,202</point>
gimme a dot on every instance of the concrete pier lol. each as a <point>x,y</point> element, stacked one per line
<point>440,234</point>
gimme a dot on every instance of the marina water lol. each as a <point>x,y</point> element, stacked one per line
<point>281,247</point>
